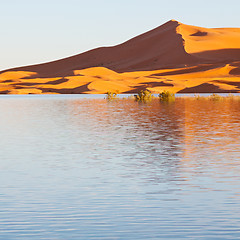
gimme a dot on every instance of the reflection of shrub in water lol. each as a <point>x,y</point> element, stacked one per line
<point>166,96</point>
<point>144,96</point>
<point>215,97</point>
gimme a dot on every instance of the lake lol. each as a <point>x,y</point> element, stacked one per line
<point>81,167</point>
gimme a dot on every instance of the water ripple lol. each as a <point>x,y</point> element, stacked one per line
<point>74,168</point>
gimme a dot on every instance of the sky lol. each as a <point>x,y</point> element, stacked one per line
<point>37,31</point>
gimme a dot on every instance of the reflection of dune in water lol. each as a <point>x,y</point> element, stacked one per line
<point>211,135</point>
<point>188,134</point>
<point>151,133</point>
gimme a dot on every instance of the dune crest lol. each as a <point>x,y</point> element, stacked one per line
<point>198,39</point>
<point>173,56</point>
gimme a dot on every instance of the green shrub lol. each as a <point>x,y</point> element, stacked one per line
<point>166,96</point>
<point>112,95</point>
<point>144,96</point>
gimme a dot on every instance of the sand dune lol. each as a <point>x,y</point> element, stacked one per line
<point>174,56</point>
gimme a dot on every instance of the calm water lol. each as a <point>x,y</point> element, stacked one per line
<point>75,168</point>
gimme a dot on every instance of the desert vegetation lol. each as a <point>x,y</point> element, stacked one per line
<point>216,97</point>
<point>144,96</point>
<point>112,95</point>
<point>166,96</point>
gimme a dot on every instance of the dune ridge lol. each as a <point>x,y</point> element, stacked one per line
<point>174,56</point>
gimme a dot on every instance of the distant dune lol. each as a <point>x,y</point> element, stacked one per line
<point>176,57</point>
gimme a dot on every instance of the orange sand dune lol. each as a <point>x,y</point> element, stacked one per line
<point>174,56</point>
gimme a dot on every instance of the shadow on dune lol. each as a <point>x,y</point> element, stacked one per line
<point>199,34</point>
<point>77,90</point>
<point>55,82</point>
<point>4,92</point>
<point>235,71</point>
<point>222,55</point>
<point>237,84</point>
<point>206,88</point>
<point>200,68</point>
<point>7,81</point>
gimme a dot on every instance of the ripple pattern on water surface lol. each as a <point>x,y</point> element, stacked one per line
<point>75,168</point>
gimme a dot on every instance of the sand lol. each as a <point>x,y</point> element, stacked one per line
<point>176,57</point>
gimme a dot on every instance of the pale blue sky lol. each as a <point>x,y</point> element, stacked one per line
<point>36,31</point>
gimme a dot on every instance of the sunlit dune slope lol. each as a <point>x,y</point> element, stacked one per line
<point>174,56</point>
<point>217,44</point>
